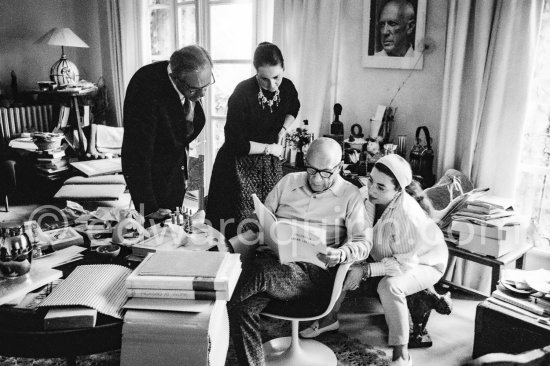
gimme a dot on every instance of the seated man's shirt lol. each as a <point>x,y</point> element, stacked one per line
<point>339,210</point>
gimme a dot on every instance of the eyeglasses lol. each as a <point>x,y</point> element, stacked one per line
<point>323,173</point>
<point>193,89</point>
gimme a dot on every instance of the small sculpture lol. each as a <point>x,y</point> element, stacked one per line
<point>420,306</point>
<point>337,127</point>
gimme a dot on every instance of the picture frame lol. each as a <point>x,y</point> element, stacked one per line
<point>375,54</point>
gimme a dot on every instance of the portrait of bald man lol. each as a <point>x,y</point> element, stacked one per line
<point>396,29</point>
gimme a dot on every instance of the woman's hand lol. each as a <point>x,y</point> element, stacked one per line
<point>281,137</point>
<point>276,150</point>
<point>392,267</point>
<point>353,278</point>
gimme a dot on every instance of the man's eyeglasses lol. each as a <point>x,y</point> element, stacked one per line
<point>323,173</point>
<point>194,89</point>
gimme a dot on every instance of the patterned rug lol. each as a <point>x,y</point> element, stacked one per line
<point>349,351</point>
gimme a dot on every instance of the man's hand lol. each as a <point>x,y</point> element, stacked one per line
<point>332,257</point>
<point>159,214</point>
<point>353,278</point>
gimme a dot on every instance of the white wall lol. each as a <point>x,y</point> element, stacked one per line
<point>22,22</point>
<point>360,90</point>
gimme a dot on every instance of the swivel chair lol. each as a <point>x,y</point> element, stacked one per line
<point>290,351</point>
<point>7,180</point>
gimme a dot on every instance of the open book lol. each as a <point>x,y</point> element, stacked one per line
<point>291,240</point>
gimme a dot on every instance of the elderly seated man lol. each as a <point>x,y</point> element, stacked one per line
<point>321,198</point>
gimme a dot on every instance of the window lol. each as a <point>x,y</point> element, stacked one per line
<point>534,183</point>
<point>229,30</point>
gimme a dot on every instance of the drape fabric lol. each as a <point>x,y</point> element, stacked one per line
<point>489,65</point>
<point>306,31</point>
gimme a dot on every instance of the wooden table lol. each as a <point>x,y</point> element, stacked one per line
<point>496,264</point>
<point>498,329</point>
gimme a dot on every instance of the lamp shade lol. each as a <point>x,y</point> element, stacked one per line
<point>62,37</point>
<point>63,71</point>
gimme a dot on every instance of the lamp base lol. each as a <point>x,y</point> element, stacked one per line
<point>64,72</point>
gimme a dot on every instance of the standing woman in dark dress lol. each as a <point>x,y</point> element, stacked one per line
<point>259,112</point>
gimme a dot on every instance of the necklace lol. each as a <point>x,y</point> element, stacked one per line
<point>263,101</point>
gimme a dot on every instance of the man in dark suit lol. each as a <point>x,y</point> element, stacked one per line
<point>162,115</point>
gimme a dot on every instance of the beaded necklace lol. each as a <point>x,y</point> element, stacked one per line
<point>263,101</point>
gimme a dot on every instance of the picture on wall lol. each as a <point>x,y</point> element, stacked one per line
<point>393,33</point>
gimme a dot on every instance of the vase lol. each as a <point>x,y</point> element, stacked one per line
<point>299,158</point>
<point>292,155</point>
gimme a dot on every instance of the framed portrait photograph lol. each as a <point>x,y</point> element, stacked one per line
<point>393,33</point>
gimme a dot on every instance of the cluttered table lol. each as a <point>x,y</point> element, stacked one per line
<point>22,328</point>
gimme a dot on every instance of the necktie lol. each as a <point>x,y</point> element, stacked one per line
<point>188,113</point>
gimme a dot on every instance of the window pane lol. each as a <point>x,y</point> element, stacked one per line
<point>187,32</point>
<point>159,2</point>
<point>231,31</point>
<point>227,77</point>
<point>160,33</point>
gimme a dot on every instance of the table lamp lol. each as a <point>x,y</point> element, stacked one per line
<point>63,71</point>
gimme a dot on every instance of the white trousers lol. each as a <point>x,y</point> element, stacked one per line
<point>393,292</point>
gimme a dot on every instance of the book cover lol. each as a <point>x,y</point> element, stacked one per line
<point>291,240</point>
<point>188,306</point>
<point>184,263</point>
<point>13,288</point>
<point>493,202</point>
<point>522,302</point>
<point>92,168</point>
<point>178,294</point>
<point>225,279</point>
<point>70,317</point>
<point>484,217</point>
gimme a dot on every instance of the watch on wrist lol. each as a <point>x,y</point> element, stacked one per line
<point>366,271</point>
<point>267,149</point>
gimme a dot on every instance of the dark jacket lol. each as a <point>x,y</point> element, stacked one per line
<point>156,138</point>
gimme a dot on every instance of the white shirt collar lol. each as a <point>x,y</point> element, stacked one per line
<point>182,97</point>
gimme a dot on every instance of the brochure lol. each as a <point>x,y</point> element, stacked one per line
<point>291,240</point>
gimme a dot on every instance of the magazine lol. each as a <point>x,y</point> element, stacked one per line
<point>291,240</point>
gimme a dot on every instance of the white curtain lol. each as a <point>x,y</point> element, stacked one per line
<point>488,68</point>
<point>306,31</point>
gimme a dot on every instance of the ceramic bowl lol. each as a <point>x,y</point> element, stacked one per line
<point>108,250</point>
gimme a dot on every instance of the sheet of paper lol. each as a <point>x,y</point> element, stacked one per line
<point>380,110</point>
<point>59,257</point>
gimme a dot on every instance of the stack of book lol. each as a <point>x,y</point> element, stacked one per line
<point>180,298</point>
<point>534,307</point>
<point>488,225</point>
<point>52,164</point>
<point>184,275</point>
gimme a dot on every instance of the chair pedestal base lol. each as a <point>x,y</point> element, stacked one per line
<point>308,352</point>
